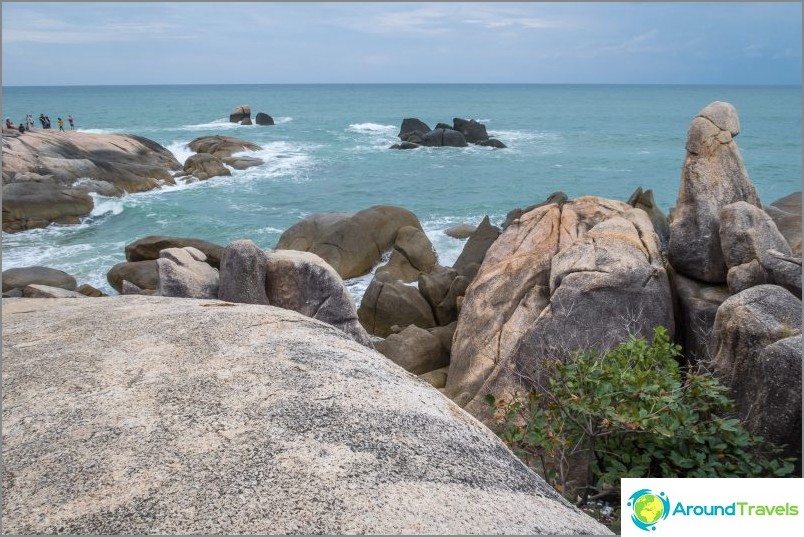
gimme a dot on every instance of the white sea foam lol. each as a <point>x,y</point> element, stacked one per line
<point>180,150</point>
<point>371,128</point>
<point>216,124</point>
<point>106,205</point>
<point>282,160</point>
<point>100,131</point>
<point>283,119</point>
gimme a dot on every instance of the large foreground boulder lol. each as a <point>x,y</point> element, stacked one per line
<point>580,275</point>
<point>713,177</point>
<point>757,354</point>
<point>352,244</point>
<point>213,418</point>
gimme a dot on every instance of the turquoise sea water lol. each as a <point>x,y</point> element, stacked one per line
<point>329,152</point>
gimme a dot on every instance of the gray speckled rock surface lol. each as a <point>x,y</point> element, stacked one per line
<point>183,273</point>
<point>196,416</point>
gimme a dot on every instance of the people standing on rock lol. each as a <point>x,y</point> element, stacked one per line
<point>21,128</point>
<point>47,122</point>
<point>71,119</point>
<point>29,122</point>
<point>42,120</point>
<point>9,124</point>
<point>60,123</point>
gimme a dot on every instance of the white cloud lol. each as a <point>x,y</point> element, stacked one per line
<point>53,31</point>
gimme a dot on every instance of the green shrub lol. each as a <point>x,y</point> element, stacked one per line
<point>630,413</point>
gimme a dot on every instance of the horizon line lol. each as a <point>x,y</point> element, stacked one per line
<point>704,84</point>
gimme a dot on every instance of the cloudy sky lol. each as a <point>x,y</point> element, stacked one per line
<point>197,43</point>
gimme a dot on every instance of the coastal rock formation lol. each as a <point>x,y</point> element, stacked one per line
<point>246,121</point>
<point>149,247</point>
<point>786,213</point>
<point>461,231</point>
<point>472,130</point>
<point>263,119</point>
<point>475,249</point>
<point>183,273</point>
<point>559,198</point>
<point>695,306</point>
<point>88,290</point>
<point>221,146</point>
<point>203,166</point>
<point>747,233</point>
<point>414,349</point>
<point>757,354</point>
<point>435,287</point>
<point>713,177</point>
<point>412,255</point>
<point>240,113</point>
<point>783,270</point>
<point>388,302</point>
<point>643,199</point>
<point>295,428</point>
<point>143,274</point>
<point>243,273</point>
<point>413,130</point>
<point>443,138</point>
<point>582,275</point>
<point>351,243</point>
<point>37,205</point>
<point>241,162</point>
<point>17,278</point>
<point>40,167</point>
<point>303,282</point>
<point>45,291</point>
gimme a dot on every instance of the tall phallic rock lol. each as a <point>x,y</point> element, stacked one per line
<point>713,176</point>
<point>562,277</point>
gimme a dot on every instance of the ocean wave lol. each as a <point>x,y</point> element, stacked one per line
<point>180,150</point>
<point>100,131</point>
<point>371,128</point>
<point>282,119</point>
<point>222,123</point>
<point>106,205</point>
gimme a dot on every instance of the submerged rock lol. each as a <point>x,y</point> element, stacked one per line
<point>209,417</point>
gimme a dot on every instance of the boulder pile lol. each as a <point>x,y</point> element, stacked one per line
<point>415,133</point>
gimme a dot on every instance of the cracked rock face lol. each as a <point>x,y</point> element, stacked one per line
<point>562,277</point>
<point>713,177</point>
<point>204,417</point>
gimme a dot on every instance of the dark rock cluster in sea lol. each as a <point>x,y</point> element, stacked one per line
<point>415,133</point>
<point>722,275</point>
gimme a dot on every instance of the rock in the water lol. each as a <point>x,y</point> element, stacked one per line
<point>473,131</point>
<point>492,142</point>
<point>184,274</point>
<point>786,213</point>
<point>352,244</point>
<point>405,145</point>
<point>303,282</point>
<point>415,350</point>
<point>37,205</point>
<point>208,418</point>
<point>412,255</point>
<point>221,146</point>
<point>643,199</point>
<point>713,177</point>
<point>243,274</point>
<point>475,249</point>
<point>246,121</point>
<point>104,188</point>
<point>203,166</point>
<point>387,303</point>
<point>263,119</point>
<point>443,138</point>
<point>143,274</point>
<point>583,275</point>
<point>242,163</point>
<point>17,278</point>
<point>695,309</point>
<point>240,113</point>
<point>150,246</point>
<point>747,233</point>
<point>757,354</point>
<point>412,127</point>
<point>45,291</point>
<point>461,231</point>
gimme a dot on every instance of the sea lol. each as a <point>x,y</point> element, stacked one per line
<point>329,152</point>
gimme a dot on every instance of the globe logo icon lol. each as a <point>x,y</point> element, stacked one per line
<point>648,508</point>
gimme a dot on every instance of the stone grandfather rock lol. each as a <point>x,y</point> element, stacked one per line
<point>295,428</point>
<point>713,176</point>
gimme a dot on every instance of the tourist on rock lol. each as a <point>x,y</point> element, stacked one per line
<point>21,128</point>
<point>9,124</point>
<point>71,119</point>
<point>42,120</point>
<point>60,123</point>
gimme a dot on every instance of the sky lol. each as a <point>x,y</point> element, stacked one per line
<point>333,42</point>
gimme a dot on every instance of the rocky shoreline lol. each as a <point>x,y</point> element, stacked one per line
<point>722,274</point>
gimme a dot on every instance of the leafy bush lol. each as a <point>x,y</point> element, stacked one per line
<point>630,413</point>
